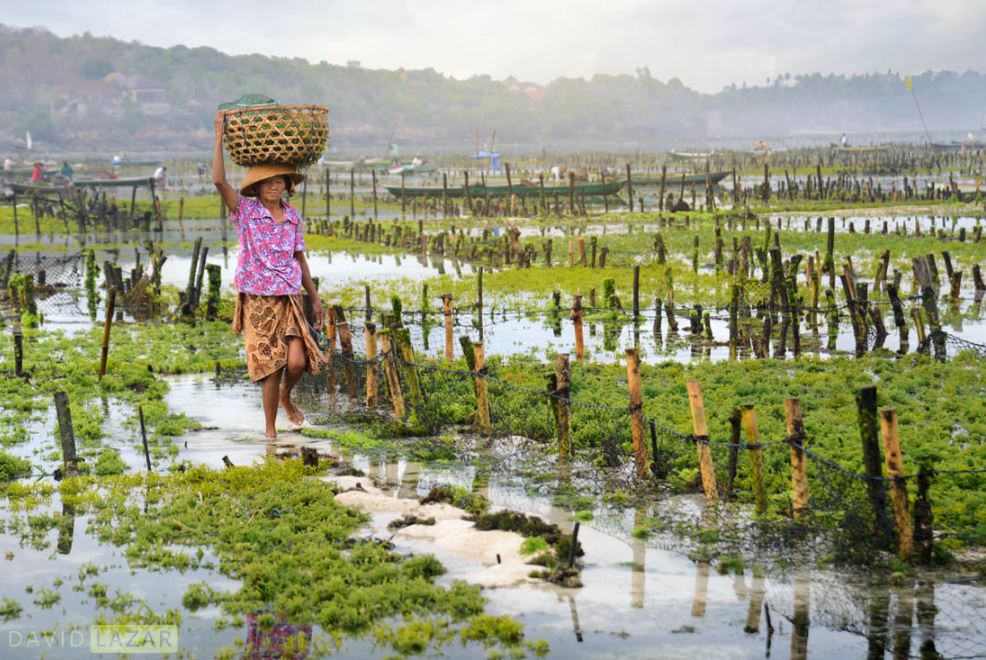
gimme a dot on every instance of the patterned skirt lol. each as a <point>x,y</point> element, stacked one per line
<point>267,322</point>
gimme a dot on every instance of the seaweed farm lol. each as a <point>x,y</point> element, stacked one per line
<point>552,424</point>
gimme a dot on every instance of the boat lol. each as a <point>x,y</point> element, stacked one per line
<point>129,182</point>
<point>688,155</point>
<point>673,179</point>
<point>478,190</point>
<point>36,188</point>
<point>958,146</point>
<point>858,150</point>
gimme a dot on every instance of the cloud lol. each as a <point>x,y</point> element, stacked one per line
<point>707,45</point>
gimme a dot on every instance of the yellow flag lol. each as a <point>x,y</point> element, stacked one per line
<point>907,81</point>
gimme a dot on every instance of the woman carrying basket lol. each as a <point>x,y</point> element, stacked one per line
<point>271,270</point>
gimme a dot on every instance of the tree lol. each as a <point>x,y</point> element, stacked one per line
<point>96,69</point>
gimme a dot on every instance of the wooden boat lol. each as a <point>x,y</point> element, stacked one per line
<point>36,188</point>
<point>479,190</point>
<point>688,155</point>
<point>675,180</point>
<point>858,150</point>
<point>129,182</point>
<point>958,146</point>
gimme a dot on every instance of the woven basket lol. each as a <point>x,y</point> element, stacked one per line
<point>289,134</point>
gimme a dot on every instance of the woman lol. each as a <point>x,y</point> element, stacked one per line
<point>270,271</point>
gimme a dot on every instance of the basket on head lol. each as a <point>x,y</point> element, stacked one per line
<point>290,134</point>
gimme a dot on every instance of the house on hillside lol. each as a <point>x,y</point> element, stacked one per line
<point>150,96</point>
<point>80,98</point>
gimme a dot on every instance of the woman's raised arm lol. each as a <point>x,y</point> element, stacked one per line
<point>229,194</point>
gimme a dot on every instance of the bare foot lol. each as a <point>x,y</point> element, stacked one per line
<point>271,436</point>
<point>295,416</point>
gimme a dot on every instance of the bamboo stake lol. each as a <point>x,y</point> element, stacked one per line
<point>447,312</point>
<point>701,437</point>
<point>799,466</point>
<point>410,368</point>
<point>482,396</point>
<point>390,371</point>
<point>143,436</point>
<point>876,490</point>
<point>330,336</point>
<point>636,413</point>
<point>67,432</point>
<point>748,418</point>
<point>898,487</point>
<point>370,333</point>
<point>346,344</point>
<point>577,323</point>
<point>107,326</point>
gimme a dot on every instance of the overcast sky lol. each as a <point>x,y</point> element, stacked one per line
<point>707,44</point>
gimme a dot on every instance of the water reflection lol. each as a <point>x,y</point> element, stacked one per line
<point>271,635</point>
<point>66,529</point>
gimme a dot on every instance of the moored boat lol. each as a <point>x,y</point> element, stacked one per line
<point>596,189</point>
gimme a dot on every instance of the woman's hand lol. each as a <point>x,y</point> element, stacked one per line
<point>220,122</point>
<point>319,313</point>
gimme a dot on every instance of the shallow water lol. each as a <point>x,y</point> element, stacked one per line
<point>639,599</point>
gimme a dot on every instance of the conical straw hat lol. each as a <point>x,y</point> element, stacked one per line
<point>258,173</point>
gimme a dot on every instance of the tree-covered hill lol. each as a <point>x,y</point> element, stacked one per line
<point>102,92</point>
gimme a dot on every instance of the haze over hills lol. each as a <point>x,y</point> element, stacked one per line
<point>102,93</point>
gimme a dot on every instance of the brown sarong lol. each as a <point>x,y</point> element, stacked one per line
<point>267,322</point>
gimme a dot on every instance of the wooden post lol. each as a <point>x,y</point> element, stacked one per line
<point>577,323</point>
<point>630,187</point>
<point>636,293</point>
<point>352,194</point>
<point>410,369</point>
<point>602,177</point>
<point>370,334</point>
<point>482,396</point>
<point>107,326</point>
<point>330,336</point>
<point>898,487</point>
<point>444,194</point>
<point>664,174</point>
<point>143,436</point>
<point>390,371</point>
<point>636,413</point>
<point>17,226</point>
<point>192,269</point>
<point>748,418</point>
<point>701,430</point>
<point>18,350</point>
<point>346,345</point>
<point>866,407</point>
<point>328,194</point>
<point>447,313</point>
<point>70,465</point>
<point>562,388</point>
<point>571,193</point>
<point>799,465</point>
<point>403,198</point>
<point>374,175</point>
<point>479,301</point>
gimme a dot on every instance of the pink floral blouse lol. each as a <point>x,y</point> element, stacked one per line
<point>266,265</point>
